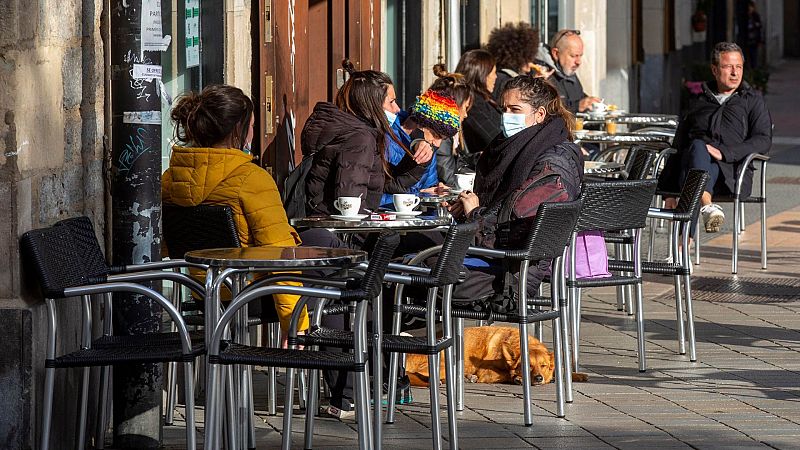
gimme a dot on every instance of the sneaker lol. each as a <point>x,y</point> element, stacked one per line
<point>713,217</point>
<point>403,392</point>
<point>341,408</point>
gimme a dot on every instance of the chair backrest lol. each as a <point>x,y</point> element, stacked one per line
<point>50,255</point>
<point>692,192</point>
<point>451,258</point>
<point>615,205</point>
<point>188,228</point>
<point>551,230</point>
<point>86,244</point>
<point>641,164</point>
<point>372,281</point>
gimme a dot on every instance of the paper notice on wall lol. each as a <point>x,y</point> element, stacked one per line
<point>152,38</point>
<point>146,71</point>
<point>192,33</point>
<point>142,117</point>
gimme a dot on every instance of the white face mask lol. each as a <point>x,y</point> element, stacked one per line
<point>390,116</point>
<point>513,123</point>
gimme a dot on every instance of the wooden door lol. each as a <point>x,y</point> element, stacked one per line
<point>301,47</point>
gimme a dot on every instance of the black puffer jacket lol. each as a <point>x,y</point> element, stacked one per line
<point>740,126</point>
<point>482,125</point>
<point>346,160</point>
<point>569,88</point>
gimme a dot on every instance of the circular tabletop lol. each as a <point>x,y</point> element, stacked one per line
<point>432,199</point>
<point>276,257</point>
<point>620,138</point>
<point>666,120</point>
<point>596,167</point>
<point>411,224</point>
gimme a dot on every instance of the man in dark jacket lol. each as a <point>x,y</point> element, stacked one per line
<point>725,123</point>
<point>565,53</point>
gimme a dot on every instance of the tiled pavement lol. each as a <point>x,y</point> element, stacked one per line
<point>744,391</point>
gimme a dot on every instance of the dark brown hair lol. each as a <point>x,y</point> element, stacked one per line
<point>476,65</point>
<point>217,113</point>
<point>513,45</point>
<point>452,84</point>
<point>537,92</point>
<point>362,95</point>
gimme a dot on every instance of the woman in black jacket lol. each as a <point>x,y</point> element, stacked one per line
<point>347,143</point>
<point>483,123</point>
<point>537,141</point>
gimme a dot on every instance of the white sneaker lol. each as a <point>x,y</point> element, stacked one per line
<point>713,217</point>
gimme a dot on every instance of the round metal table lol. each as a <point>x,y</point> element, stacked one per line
<point>662,120</point>
<point>349,226</point>
<point>235,262</point>
<point>601,137</point>
<point>602,167</point>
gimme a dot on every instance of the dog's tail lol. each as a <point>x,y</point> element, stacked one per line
<point>580,377</point>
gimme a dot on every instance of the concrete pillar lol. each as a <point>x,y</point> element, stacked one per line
<point>51,147</point>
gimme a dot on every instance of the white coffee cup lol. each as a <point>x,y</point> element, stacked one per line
<point>348,206</point>
<point>404,203</point>
<point>465,181</point>
<point>599,107</point>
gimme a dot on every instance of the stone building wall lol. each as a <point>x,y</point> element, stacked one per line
<point>51,167</point>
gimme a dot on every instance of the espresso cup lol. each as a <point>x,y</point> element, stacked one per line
<point>599,107</point>
<point>348,206</point>
<point>465,181</point>
<point>404,203</point>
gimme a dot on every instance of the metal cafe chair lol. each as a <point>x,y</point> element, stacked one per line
<point>57,262</point>
<point>442,276</point>
<point>542,239</point>
<point>611,206</point>
<point>681,218</point>
<point>228,353</point>
<point>739,200</point>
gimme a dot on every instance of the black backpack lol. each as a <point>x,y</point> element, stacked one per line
<point>294,190</point>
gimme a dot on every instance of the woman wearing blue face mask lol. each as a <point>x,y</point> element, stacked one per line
<point>537,139</point>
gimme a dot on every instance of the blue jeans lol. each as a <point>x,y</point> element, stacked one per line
<point>697,157</point>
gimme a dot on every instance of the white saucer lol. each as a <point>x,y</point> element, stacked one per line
<point>408,214</point>
<point>355,218</point>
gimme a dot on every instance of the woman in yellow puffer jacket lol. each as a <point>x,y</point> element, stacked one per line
<point>216,168</point>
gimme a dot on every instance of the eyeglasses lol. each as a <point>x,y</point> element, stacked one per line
<point>564,34</point>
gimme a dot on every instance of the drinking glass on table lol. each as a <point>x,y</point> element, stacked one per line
<point>611,126</point>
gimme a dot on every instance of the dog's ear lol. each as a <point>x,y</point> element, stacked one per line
<point>510,352</point>
<point>552,359</point>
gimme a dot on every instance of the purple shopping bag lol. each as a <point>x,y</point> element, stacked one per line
<point>591,256</point>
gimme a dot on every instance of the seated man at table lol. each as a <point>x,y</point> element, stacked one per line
<point>564,55</point>
<point>724,123</point>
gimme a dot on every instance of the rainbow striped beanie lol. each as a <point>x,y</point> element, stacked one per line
<point>438,112</point>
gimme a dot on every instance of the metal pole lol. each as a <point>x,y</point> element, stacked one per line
<point>136,211</point>
<point>453,34</point>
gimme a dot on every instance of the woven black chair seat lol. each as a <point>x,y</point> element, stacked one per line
<point>279,357</point>
<point>661,268</point>
<point>329,337</point>
<point>109,356</point>
<point>614,280</point>
<point>618,238</point>
<point>149,340</point>
<point>723,198</point>
<point>492,316</point>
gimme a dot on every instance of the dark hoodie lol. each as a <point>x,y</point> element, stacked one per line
<point>346,160</point>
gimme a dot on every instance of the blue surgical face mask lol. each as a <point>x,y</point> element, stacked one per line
<point>513,123</point>
<point>390,116</point>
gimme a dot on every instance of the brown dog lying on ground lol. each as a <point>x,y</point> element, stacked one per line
<point>491,355</point>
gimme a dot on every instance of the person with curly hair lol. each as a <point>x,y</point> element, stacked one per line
<point>514,47</point>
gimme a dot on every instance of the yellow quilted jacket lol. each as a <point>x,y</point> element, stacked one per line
<point>223,176</point>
